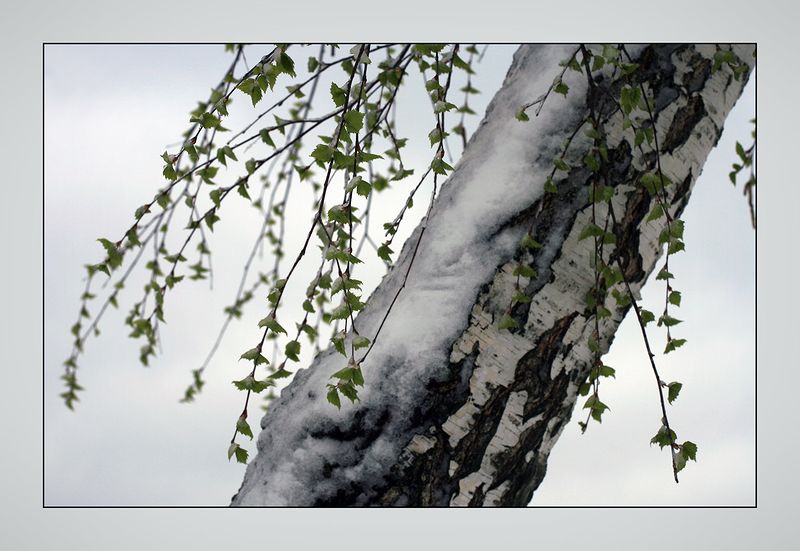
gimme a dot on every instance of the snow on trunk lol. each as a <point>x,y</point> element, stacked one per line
<point>455,411</point>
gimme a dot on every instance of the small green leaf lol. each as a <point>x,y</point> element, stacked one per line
<point>561,165</point>
<point>349,390</point>
<point>333,396</point>
<point>280,374</point>
<point>668,320</point>
<point>591,162</point>
<point>673,389</point>
<point>272,324</point>
<point>440,167</point>
<point>664,274</point>
<point>244,428</point>
<point>207,120</point>
<point>689,450</point>
<point>647,316</point>
<point>241,454</point>
<point>507,322</point>
<point>590,230</point>
<point>251,354</point>
<point>519,296</point>
<point>353,121</point>
<point>360,342</point>
<point>673,344</point>
<point>529,242</point>
<point>663,437</point>
<point>292,350</point>
<point>655,213</point>
<point>265,137</point>
<point>338,94</point>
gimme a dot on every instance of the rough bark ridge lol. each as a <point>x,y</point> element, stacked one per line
<point>480,427</point>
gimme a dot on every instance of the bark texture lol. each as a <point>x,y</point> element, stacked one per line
<point>483,421</point>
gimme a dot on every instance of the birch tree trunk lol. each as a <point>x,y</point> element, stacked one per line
<point>456,411</point>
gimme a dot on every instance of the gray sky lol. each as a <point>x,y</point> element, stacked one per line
<point>111,110</point>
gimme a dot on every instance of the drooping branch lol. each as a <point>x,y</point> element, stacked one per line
<point>457,410</point>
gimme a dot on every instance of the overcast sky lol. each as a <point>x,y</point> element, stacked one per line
<point>111,110</point>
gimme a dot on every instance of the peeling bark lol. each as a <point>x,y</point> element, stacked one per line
<point>481,427</point>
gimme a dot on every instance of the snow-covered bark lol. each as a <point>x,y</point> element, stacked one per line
<point>456,411</point>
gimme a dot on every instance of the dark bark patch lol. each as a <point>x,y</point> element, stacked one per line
<point>695,80</point>
<point>683,123</point>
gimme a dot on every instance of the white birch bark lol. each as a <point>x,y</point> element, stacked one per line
<point>456,411</point>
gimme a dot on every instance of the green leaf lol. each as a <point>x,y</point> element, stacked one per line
<point>607,371</point>
<point>655,213</point>
<point>663,437</point>
<point>272,324</point>
<point>322,153</point>
<point>363,188</point>
<point>652,182</point>
<point>591,162</point>
<point>590,230</point>
<point>358,376</point>
<point>250,383</point>
<point>524,271</point>
<point>349,390</point>
<point>265,137</point>
<point>338,343</point>
<point>215,195</point>
<point>561,165</point>
<point>440,167</point>
<point>673,389</point>
<point>241,454</point>
<point>338,94</point>
<point>344,374</point>
<point>192,152</point>
<point>169,173</point>
<point>676,229</point>
<point>251,354</point>
<point>360,342</point>
<point>664,274</point>
<point>436,135</point>
<point>353,121</point>
<point>207,120</point>
<point>647,316</point>
<point>519,296</point>
<point>114,256</point>
<point>280,374</point>
<point>675,298</point>
<point>673,344</point>
<point>561,88</point>
<point>228,152</point>
<point>689,450</point>
<point>244,428</point>
<point>521,116</point>
<point>668,320</point>
<point>333,396</point>
<point>292,350</point>
<point>507,322</point>
<point>529,242</point>
<point>285,64</point>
